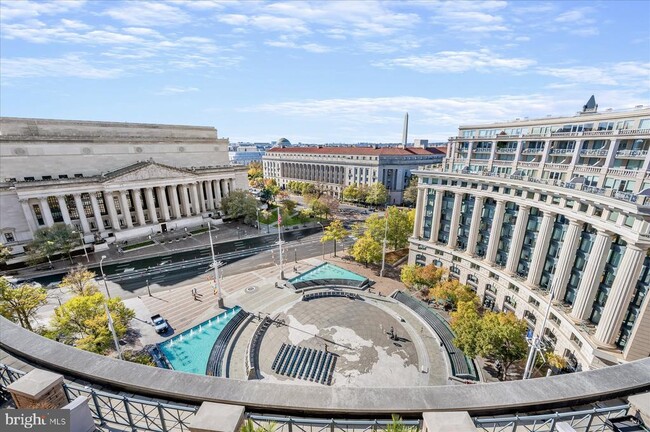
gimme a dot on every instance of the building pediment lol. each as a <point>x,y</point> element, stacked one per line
<point>145,171</point>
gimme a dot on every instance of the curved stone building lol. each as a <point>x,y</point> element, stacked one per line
<point>526,208</point>
<point>119,180</point>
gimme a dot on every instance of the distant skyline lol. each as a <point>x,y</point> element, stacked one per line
<point>321,72</point>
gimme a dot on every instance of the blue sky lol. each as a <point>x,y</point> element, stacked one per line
<point>317,72</point>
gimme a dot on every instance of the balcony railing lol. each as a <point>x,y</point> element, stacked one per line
<point>632,153</point>
<point>557,166</point>
<point>587,168</point>
<point>622,172</point>
<point>562,151</point>
<point>507,150</point>
<point>624,132</point>
<point>528,164</point>
<point>482,150</point>
<point>594,152</point>
<point>533,150</point>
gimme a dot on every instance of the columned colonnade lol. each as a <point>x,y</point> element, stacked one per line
<point>313,172</point>
<point>622,288</point>
<point>93,210</point>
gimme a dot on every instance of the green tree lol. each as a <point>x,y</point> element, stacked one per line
<point>5,253</point>
<point>351,193</point>
<point>240,205</point>
<point>50,240</point>
<point>255,172</point>
<point>80,280</point>
<point>377,194</point>
<point>270,190</point>
<point>319,207</point>
<point>410,194</point>
<point>363,193</point>
<point>82,321</point>
<point>333,232</point>
<point>453,292</point>
<point>289,206</point>
<point>366,250</point>
<point>423,278</point>
<point>497,335</point>
<point>400,226</point>
<point>21,304</point>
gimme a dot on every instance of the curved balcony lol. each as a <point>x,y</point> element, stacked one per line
<point>594,152</point>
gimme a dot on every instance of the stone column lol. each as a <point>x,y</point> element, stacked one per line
<point>29,215</point>
<point>196,208</point>
<point>472,237</point>
<point>517,239</point>
<point>126,213</point>
<point>208,185</point>
<point>162,202</point>
<point>419,214</point>
<point>137,203</point>
<point>217,190</point>
<point>582,306</point>
<point>175,204</point>
<point>435,218</point>
<point>620,295</point>
<point>495,232</point>
<point>455,220</point>
<point>97,213</point>
<point>112,211</point>
<point>566,259</point>
<point>151,205</point>
<point>82,213</point>
<point>45,211</point>
<point>185,202</point>
<point>63,206</point>
<point>541,248</point>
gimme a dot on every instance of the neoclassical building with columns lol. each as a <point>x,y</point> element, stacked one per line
<point>573,233</point>
<point>109,180</point>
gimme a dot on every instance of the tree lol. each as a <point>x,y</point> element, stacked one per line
<point>363,193</point>
<point>240,204</point>
<point>377,194</point>
<point>20,304</point>
<point>453,292</point>
<point>351,193</point>
<point>417,277</point>
<point>50,240</point>
<point>496,334</point>
<point>304,215</point>
<point>80,280</point>
<point>270,190</point>
<point>366,250</point>
<point>331,203</point>
<point>400,226</point>
<point>255,172</point>
<point>5,253</point>
<point>410,195</point>
<point>289,206</point>
<point>82,321</point>
<point>333,232</point>
<point>319,207</point>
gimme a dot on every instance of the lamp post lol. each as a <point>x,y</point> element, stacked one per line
<point>323,244</point>
<point>257,212</point>
<point>215,267</point>
<point>536,342</point>
<point>83,243</point>
<point>383,255</point>
<point>108,313</point>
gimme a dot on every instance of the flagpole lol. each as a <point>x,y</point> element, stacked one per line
<point>216,268</point>
<point>536,341</point>
<point>280,243</point>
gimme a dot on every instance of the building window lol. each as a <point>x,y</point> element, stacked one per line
<point>532,301</point>
<point>9,237</point>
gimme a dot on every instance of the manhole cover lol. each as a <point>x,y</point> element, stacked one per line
<point>251,289</point>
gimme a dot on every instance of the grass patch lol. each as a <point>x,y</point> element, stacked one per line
<point>138,245</point>
<point>392,257</point>
<point>199,231</point>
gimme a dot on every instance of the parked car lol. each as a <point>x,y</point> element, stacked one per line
<point>159,323</point>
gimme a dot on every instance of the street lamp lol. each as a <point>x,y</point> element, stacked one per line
<point>323,244</point>
<point>83,243</point>
<point>108,313</point>
<point>215,266</point>
<point>257,213</point>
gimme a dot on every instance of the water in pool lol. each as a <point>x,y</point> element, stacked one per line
<point>189,351</point>
<point>327,271</point>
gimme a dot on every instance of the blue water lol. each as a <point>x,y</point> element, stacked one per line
<point>190,350</point>
<point>327,271</point>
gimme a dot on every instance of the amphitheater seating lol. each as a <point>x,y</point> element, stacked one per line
<point>325,282</point>
<point>459,363</point>
<point>323,294</point>
<point>254,349</point>
<point>305,363</point>
<point>218,352</point>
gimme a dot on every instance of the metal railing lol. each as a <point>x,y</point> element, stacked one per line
<point>593,420</point>
<point>295,424</point>
<point>116,410</point>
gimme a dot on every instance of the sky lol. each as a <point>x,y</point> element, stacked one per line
<point>321,72</point>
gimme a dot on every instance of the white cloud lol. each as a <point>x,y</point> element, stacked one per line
<point>467,17</point>
<point>286,42</point>
<point>623,73</point>
<point>11,10</point>
<point>174,90</point>
<point>458,61</point>
<point>70,65</point>
<point>146,14</point>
